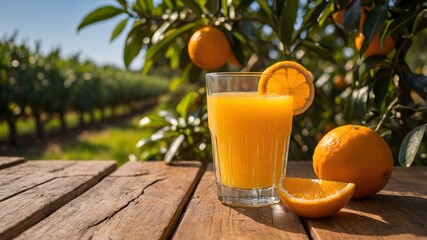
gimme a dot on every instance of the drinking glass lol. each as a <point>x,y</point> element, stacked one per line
<point>250,138</point>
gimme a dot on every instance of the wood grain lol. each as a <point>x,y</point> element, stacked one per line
<point>399,211</point>
<point>6,162</point>
<point>23,177</point>
<point>207,218</point>
<point>31,191</point>
<point>138,201</point>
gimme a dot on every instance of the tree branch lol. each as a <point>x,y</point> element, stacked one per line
<point>385,115</point>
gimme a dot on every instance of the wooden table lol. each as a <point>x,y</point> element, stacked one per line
<point>151,200</point>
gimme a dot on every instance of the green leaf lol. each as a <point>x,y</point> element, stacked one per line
<point>278,6</point>
<point>159,33</point>
<point>381,87</point>
<point>98,15</point>
<point>410,144</point>
<point>266,9</point>
<point>352,16</point>
<point>123,3</point>
<point>360,106</point>
<point>169,3</point>
<point>184,58</point>
<point>134,43</point>
<point>413,107</point>
<point>369,63</point>
<point>417,82</point>
<point>374,22</point>
<point>158,136</point>
<point>152,120</point>
<point>237,46</point>
<point>313,15</point>
<point>163,133</point>
<point>418,21</point>
<point>151,152</point>
<point>173,148</point>
<point>143,143</point>
<point>138,8</point>
<point>342,3</point>
<point>329,9</point>
<point>148,63</point>
<point>286,22</point>
<point>191,73</point>
<point>169,116</point>
<point>213,6</point>
<point>396,24</point>
<point>161,45</point>
<point>174,54</point>
<point>186,102</point>
<point>319,50</point>
<point>150,6</point>
<point>141,6</point>
<point>381,73</point>
<point>237,36</point>
<point>224,7</point>
<point>194,6</point>
<point>355,109</point>
<point>118,29</point>
<point>175,83</point>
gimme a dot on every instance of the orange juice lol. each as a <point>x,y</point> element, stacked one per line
<point>250,135</point>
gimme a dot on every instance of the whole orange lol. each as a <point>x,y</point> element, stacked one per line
<point>356,154</point>
<point>374,47</point>
<point>338,17</point>
<point>339,81</point>
<point>209,48</point>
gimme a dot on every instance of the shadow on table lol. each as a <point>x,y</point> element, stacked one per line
<point>275,216</point>
<point>380,215</point>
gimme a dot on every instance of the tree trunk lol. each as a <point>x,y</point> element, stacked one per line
<point>63,122</point>
<point>81,119</point>
<point>113,109</point>
<point>102,111</point>
<point>12,132</point>
<point>92,117</point>
<point>39,126</point>
<point>404,99</point>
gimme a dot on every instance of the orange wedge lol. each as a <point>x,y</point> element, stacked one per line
<point>314,198</point>
<point>289,78</point>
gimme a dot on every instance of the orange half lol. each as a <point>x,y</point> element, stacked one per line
<point>289,78</point>
<point>314,198</point>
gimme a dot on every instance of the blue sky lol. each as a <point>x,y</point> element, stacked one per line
<point>54,23</point>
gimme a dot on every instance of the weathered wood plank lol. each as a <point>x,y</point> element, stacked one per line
<point>399,211</point>
<point>28,175</point>
<point>31,191</point>
<point>6,162</point>
<point>207,218</point>
<point>138,201</point>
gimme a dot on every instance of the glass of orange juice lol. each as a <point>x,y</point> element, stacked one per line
<point>250,138</point>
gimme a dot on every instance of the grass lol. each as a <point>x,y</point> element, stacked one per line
<point>116,142</point>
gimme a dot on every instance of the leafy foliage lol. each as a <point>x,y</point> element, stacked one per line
<point>386,93</point>
<point>181,133</point>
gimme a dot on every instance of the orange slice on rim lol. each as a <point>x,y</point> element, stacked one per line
<point>314,198</point>
<point>289,78</point>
